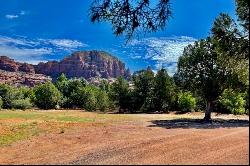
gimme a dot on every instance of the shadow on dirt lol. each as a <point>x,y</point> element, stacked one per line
<point>199,123</point>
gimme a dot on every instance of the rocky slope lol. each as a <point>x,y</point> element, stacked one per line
<point>85,64</point>
<point>21,78</point>
<point>8,64</point>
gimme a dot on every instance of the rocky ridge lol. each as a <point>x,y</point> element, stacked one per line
<point>87,64</point>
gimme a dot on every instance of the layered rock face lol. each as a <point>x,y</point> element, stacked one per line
<point>10,65</point>
<point>85,64</point>
<point>22,78</point>
<point>15,73</point>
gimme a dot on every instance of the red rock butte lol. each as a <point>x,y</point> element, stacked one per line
<point>86,64</point>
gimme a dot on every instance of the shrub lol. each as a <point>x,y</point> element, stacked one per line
<point>88,97</point>
<point>47,96</point>
<point>186,101</point>
<point>233,101</point>
<point>8,94</point>
<point>21,104</point>
<point>1,102</point>
<point>102,100</point>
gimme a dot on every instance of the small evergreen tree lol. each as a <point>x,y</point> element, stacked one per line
<point>47,96</point>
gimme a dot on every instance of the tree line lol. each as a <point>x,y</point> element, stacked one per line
<point>146,92</point>
<point>212,75</point>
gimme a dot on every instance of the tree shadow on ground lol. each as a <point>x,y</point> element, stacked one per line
<point>186,123</point>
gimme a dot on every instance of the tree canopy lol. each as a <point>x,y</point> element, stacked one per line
<point>128,16</point>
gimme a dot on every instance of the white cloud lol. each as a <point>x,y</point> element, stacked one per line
<point>10,16</point>
<point>4,40</point>
<point>23,12</point>
<point>66,43</point>
<point>24,54</point>
<point>164,51</point>
<point>14,16</point>
<point>32,51</point>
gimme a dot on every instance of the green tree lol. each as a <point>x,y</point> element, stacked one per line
<point>186,101</point>
<point>243,13</point>
<point>231,46</point>
<point>21,104</point>
<point>88,99</point>
<point>105,86</point>
<point>199,71</point>
<point>120,93</point>
<point>163,91</point>
<point>1,102</point>
<point>102,98</point>
<point>47,96</point>
<point>128,16</point>
<point>233,101</point>
<point>62,84</point>
<point>69,90</point>
<point>8,94</point>
<point>143,84</point>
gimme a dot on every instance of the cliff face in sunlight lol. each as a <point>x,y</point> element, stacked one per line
<point>86,64</point>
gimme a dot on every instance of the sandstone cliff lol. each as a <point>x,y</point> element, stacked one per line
<point>85,64</point>
<point>10,65</point>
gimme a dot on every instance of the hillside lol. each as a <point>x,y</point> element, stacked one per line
<point>86,64</point>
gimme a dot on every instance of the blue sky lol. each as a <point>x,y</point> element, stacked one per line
<point>42,30</point>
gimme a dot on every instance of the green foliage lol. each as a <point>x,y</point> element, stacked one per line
<point>233,101</point>
<point>186,101</point>
<point>243,13</point>
<point>70,91</point>
<point>163,91</point>
<point>88,98</point>
<point>231,44</point>
<point>120,93</point>
<point>102,102</point>
<point>128,16</point>
<point>27,92</point>
<point>199,71</point>
<point>47,96</point>
<point>8,94</point>
<point>1,102</point>
<point>105,86</point>
<point>142,96</point>
<point>21,104</point>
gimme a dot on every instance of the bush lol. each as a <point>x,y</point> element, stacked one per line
<point>21,104</point>
<point>233,101</point>
<point>47,96</point>
<point>88,97</point>
<point>102,100</point>
<point>186,101</point>
<point>8,94</point>
<point>1,102</point>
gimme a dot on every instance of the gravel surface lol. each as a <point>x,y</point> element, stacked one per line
<point>144,142</point>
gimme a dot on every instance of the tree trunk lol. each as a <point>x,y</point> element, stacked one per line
<point>209,108</point>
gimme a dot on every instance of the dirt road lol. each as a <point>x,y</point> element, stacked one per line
<point>142,142</point>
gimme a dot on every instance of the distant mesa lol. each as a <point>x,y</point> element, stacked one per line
<point>86,64</point>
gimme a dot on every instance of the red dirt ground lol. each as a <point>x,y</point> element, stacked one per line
<point>133,143</point>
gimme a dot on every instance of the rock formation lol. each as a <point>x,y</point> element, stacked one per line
<point>21,78</point>
<point>85,64</point>
<point>8,64</point>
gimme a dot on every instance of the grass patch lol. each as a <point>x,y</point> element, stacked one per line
<point>21,125</point>
<point>45,116</point>
<point>18,132</point>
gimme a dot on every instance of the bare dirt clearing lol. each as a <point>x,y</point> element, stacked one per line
<point>90,138</point>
